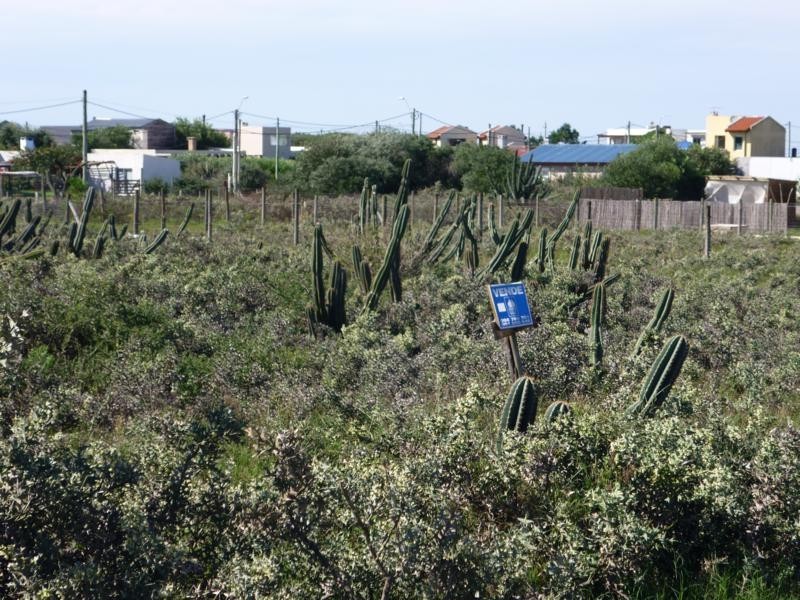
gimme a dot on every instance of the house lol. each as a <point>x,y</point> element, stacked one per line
<point>560,160</point>
<point>146,134</point>
<point>503,136</point>
<point>262,141</point>
<point>452,135</point>
<point>7,158</point>
<point>746,136</point>
<point>124,171</point>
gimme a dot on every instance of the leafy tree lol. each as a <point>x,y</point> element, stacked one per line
<point>207,137</point>
<point>58,163</point>
<point>11,132</point>
<point>564,134</point>
<point>665,171</point>
<point>478,167</point>
<point>115,137</point>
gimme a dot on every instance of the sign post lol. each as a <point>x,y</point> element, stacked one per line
<point>511,311</point>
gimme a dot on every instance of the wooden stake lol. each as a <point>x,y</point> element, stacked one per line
<point>163,203</point>
<point>210,213</point>
<point>655,214</point>
<point>227,205</point>
<point>136,212</point>
<point>739,223</point>
<point>707,243</point>
<point>315,209</point>
<point>296,215</point>
<point>263,206</point>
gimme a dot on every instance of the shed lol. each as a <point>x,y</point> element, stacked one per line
<point>559,160</point>
<point>733,189</point>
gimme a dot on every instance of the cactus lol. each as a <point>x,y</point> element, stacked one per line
<point>662,312</point>
<point>77,242</point>
<point>540,258</point>
<point>602,260</point>
<point>9,222</point>
<point>661,377</point>
<point>562,227</point>
<point>362,270</point>
<point>328,308</point>
<point>443,244</point>
<point>587,236</point>
<point>522,181</point>
<point>575,254</point>
<point>157,241</point>
<point>518,230</point>
<point>493,226</point>
<point>185,221</point>
<point>99,245</point>
<point>391,263</point>
<point>597,240</point>
<point>363,206</point>
<point>28,210</point>
<point>430,239</point>
<point>54,247</point>
<point>595,332</point>
<point>518,266</point>
<point>519,410</point>
<point>557,409</point>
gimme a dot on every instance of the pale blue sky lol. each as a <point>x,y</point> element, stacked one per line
<point>594,64</point>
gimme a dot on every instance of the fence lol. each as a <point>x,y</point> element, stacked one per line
<point>668,214</point>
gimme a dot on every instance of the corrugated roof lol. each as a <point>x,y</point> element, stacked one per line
<point>744,124</point>
<point>578,154</point>
<point>454,129</point>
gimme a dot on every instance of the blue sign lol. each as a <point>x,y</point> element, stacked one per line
<point>510,305</point>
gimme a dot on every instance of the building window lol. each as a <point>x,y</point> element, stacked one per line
<point>738,142</point>
<point>719,141</point>
<point>283,140</point>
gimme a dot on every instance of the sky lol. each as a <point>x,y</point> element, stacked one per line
<point>321,65</point>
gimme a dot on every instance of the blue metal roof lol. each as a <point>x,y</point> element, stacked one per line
<point>579,154</point>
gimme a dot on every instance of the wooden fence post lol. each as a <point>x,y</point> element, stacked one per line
<point>316,210</point>
<point>263,206</point>
<point>588,209</point>
<point>739,220</point>
<point>296,214</point>
<point>707,241</point>
<point>227,205</point>
<point>209,216</point>
<point>536,211</point>
<point>384,211</point>
<point>435,206</point>
<point>480,216</point>
<point>655,214</point>
<point>637,215</point>
<point>500,211</point>
<point>163,203</point>
<point>702,213</point>
<point>136,212</point>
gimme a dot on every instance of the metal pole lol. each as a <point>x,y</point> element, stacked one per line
<point>277,143</point>
<point>85,142</point>
<point>235,163</point>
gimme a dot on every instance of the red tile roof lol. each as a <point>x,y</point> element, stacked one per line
<point>437,133</point>
<point>744,124</point>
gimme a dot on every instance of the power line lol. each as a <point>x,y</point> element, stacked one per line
<point>122,112</point>
<point>24,110</point>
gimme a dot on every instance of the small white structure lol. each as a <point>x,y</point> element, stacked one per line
<point>771,167</point>
<point>27,144</point>
<point>262,141</point>
<point>125,170</point>
<point>733,189</point>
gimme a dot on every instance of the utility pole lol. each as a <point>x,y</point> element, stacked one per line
<point>413,121</point>
<point>204,120</point>
<point>376,126</point>
<point>628,136</point>
<point>277,143</point>
<point>420,124</point>
<point>789,130</point>
<point>235,163</point>
<point>545,132</point>
<point>85,143</point>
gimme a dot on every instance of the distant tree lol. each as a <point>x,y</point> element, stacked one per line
<point>564,134</point>
<point>479,167</point>
<point>117,137</point>
<point>207,137</point>
<point>534,141</point>
<point>11,132</point>
<point>663,170</point>
<point>58,163</point>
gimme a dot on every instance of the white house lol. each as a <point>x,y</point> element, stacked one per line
<point>126,170</point>
<point>261,141</point>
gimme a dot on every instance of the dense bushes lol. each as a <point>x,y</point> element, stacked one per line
<point>169,429</point>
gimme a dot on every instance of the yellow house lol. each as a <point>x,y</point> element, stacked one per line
<point>746,136</point>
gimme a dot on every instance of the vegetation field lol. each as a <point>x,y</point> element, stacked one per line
<point>171,427</point>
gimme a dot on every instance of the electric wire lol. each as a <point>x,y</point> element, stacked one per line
<point>24,110</point>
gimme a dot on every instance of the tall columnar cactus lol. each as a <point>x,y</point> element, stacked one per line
<point>657,322</point>
<point>496,237</point>
<point>335,297</point>
<point>185,221</point>
<point>519,410</point>
<point>562,227</point>
<point>518,230</point>
<point>433,233</point>
<point>556,410</point>
<point>602,260</point>
<point>595,332</point>
<point>362,270</point>
<point>597,241</point>
<point>157,241</point>
<point>318,279</point>
<point>661,377</point>
<point>518,266</point>
<point>9,222</point>
<point>541,258</point>
<point>585,250</point>
<point>364,206</point>
<point>328,307</point>
<point>575,254</point>
<point>80,234</point>
<point>390,261</point>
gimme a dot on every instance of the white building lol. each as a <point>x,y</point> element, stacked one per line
<point>770,167</point>
<point>262,141</point>
<point>126,170</point>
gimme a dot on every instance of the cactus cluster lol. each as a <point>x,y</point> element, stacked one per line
<point>596,329</point>
<point>362,270</point>
<point>522,181</point>
<point>367,206</point>
<point>515,234</point>
<point>328,306</point>
<point>26,242</point>
<point>519,410</point>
